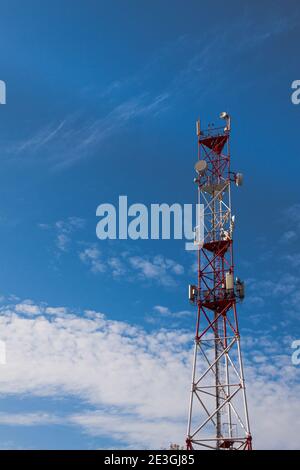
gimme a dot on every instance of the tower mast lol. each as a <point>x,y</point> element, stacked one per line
<point>218,412</point>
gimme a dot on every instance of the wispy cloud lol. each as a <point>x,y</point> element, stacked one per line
<point>29,419</point>
<point>92,257</point>
<point>161,269</point>
<point>288,236</point>
<point>165,311</point>
<point>40,139</point>
<point>143,94</point>
<point>77,137</point>
<point>63,230</point>
<point>158,269</point>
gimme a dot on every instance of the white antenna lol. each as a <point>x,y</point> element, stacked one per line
<point>226,116</point>
<point>200,166</point>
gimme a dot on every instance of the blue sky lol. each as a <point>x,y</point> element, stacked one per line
<point>102,100</point>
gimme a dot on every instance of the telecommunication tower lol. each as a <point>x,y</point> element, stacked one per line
<point>218,412</point>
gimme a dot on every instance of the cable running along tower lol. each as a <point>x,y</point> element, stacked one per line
<point>218,413</point>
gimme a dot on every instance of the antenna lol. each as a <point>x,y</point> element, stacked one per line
<point>227,118</point>
<point>200,167</point>
<point>218,412</point>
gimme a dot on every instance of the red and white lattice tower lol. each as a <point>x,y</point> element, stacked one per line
<point>218,413</point>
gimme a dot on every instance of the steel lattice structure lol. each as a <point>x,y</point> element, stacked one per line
<point>218,413</point>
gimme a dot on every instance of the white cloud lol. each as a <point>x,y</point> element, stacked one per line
<point>161,269</point>
<point>63,230</point>
<point>162,310</point>
<point>294,259</point>
<point>28,308</point>
<point>92,257</point>
<point>62,241</point>
<point>56,311</point>
<point>288,236</point>
<point>77,136</point>
<point>167,312</point>
<point>133,386</point>
<point>117,267</point>
<point>292,213</point>
<point>105,363</point>
<point>29,419</point>
<point>126,428</point>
